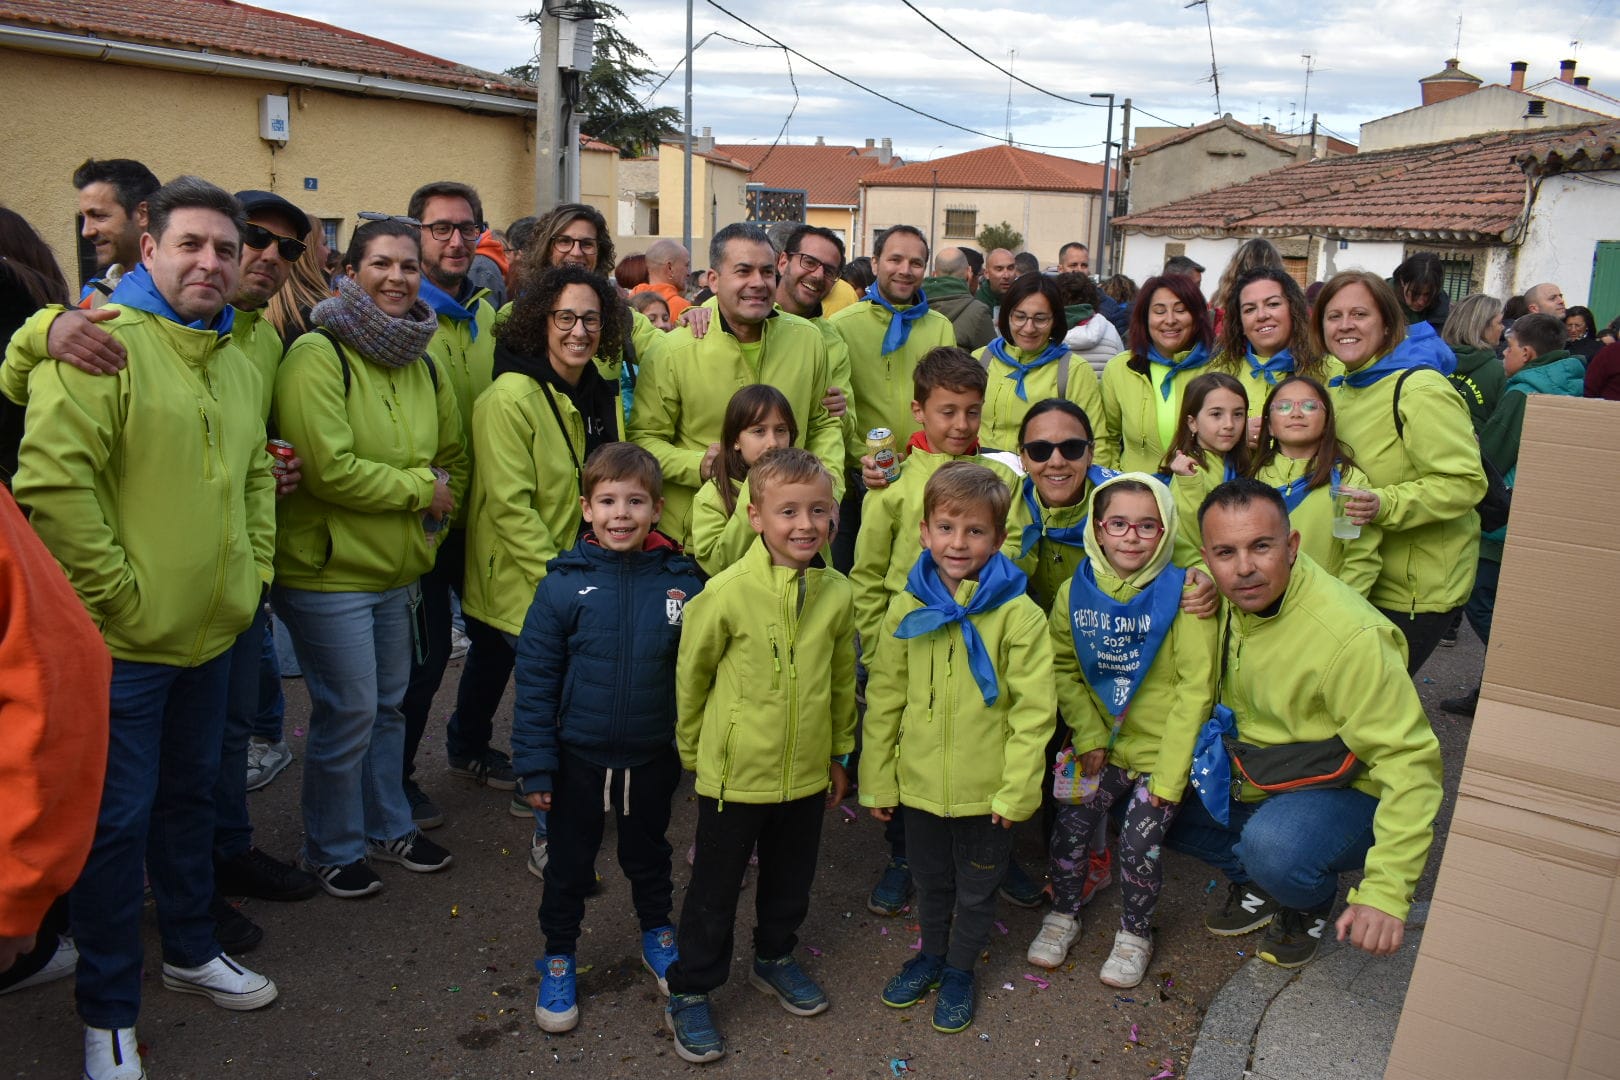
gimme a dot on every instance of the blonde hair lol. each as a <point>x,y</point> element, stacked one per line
<point>969,486</point>
<point>786,465</point>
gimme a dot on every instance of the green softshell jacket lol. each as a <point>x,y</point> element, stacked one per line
<point>1327,664</point>
<point>355,522</point>
<point>1004,410</point>
<point>931,743</point>
<point>1049,563</point>
<point>1480,379</point>
<point>882,384</point>
<point>466,363</point>
<point>1134,412</point>
<point>718,538</point>
<point>1355,562</point>
<point>765,682</point>
<point>151,487</point>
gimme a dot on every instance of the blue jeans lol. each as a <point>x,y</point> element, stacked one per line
<point>157,814</point>
<point>272,710</point>
<point>1294,846</point>
<point>355,651</point>
<point>233,831</point>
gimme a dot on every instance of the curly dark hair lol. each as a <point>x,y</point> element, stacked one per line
<point>525,329</point>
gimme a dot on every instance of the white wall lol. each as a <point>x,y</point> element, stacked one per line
<point>1143,256</point>
<point>1571,214</point>
<point>1380,257</point>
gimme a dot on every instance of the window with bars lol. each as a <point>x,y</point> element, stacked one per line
<point>1457,278</point>
<point>961,224</point>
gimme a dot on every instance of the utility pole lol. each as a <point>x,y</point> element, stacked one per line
<point>686,146</point>
<point>1108,147</point>
<point>1122,187</point>
<point>546,115</point>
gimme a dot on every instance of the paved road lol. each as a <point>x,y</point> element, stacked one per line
<point>434,976</point>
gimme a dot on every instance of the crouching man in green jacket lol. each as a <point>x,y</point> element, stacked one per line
<point>1308,659</point>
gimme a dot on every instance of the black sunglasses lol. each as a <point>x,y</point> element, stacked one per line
<point>1071,449</point>
<point>258,238</point>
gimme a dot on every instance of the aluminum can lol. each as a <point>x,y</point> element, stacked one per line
<point>881,442</point>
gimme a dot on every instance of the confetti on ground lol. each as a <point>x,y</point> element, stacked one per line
<point>1126,1000</point>
<point>1210,887</point>
<point>848,812</point>
<point>298,732</point>
<point>453,989</point>
<point>1240,952</point>
<point>1136,1035</point>
<point>1001,926</point>
<point>812,950</point>
<point>1038,981</point>
<point>1167,1074</point>
<point>899,1065</point>
<point>1006,986</point>
<point>884,930</point>
<point>455,911</point>
<point>916,946</point>
<point>984,1036</point>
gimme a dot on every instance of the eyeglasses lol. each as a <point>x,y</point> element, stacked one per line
<point>566,243</point>
<point>810,264</point>
<point>1116,527</point>
<point>1018,318</point>
<point>377,215</point>
<point>564,320</point>
<point>1071,449</point>
<point>441,230</point>
<point>258,238</point>
<point>1308,407</point>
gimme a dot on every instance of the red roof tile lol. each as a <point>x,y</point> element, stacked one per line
<point>1593,150</point>
<point>829,174</point>
<point>222,26</point>
<point>999,167</point>
<point>1469,189</point>
<point>715,156</point>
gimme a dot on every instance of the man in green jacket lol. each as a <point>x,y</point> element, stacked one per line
<point>154,491</point>
<point>1536,363</point>
<point>682,393</point>
<point>1307,659</point>
<point>463,353</point>
<point>948,293</point>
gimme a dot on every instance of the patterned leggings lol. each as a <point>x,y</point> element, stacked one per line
<point>1140,873</point>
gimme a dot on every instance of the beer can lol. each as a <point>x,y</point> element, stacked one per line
<point>881,442</point>
<point>431,524</point>
<point>282,451</point>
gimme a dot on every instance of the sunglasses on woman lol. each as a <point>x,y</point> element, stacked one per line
<point>258,238</point>
<point>1071,449</point>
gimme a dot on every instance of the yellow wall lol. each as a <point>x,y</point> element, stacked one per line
<point>366,153</point>
<point>1047,219</point>
<point>840,220</point>
<point>599,181</point>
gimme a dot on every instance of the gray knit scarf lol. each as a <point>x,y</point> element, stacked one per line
<point>359,323</point>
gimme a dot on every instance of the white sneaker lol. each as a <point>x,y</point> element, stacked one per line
<point>539,855</point>
<point>1127,965</point>
<point>459,644</point>
<point>224,982</point>
<point>112,1054</point>
<point>61,964</point>
<point>265,761</point>
<point>1051,946</point>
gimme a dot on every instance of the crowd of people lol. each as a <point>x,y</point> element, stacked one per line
<point>1000,551</point>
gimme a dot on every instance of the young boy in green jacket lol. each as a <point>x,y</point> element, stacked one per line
<point>960,706</point>
<point>765,692</point>
<point>948,388</point>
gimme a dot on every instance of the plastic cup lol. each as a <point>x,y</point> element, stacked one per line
<point>1343,527</point>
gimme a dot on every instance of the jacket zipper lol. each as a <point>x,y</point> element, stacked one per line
<point>214,445</point>
<point>621,676</point>
<point>950,716</point>
<point>790,620</point>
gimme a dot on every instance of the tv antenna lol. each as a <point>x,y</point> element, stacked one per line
<point>1214,70</point>
<point>1305,99</point>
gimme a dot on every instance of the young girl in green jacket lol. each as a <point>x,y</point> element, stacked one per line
<point>1210,446</point>
<point>758,419</point>
<point>1135,681</point>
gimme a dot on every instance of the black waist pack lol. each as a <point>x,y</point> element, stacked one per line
<point>1326,763</point>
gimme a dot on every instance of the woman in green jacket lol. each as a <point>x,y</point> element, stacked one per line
<point>384,461</point>
<point>1141,389</point>
<point>1266,337</point>
<point>1409,431</point>
<point>1029,362</point>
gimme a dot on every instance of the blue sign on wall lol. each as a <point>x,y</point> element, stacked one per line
<point>311,183</point>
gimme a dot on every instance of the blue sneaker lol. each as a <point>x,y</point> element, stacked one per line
<point>796,991</point>
<point>657,953</point>
<point>696,1040</point>
<point>893,889</point>
<point>953,1008</point>
<point>919,975</point>
<point>1019,888</point>
<point>554,1007</point>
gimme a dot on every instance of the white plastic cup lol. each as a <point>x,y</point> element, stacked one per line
<point>1343,527</point>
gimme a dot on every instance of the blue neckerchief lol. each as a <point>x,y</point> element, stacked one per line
<point>1212,765</point>
<point>444,304</point>
<point>1195,359</point>
<point>1281,364</point>
<point>1133,629</point>
<point>998,349</point>
<point>137,290</point>
<point>1293,493</point>
<point>1231,471</point>
<point>1421,349</point>
<point>1072,535</point>
<point>894,338</point>
<point>999,581</point>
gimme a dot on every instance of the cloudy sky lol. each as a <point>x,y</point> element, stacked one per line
<point>1366,60</point>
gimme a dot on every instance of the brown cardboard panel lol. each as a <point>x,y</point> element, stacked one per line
<point>1571,768</point>
<point>1429,1047</point>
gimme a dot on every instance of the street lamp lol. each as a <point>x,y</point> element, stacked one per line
<point>1108,147</point>
<point>933,200</point>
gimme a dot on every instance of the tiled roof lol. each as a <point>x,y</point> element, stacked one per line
<point>1592,150</point>
<point>1467,189</point>
<point>829,174</point>
<point>999,167</point>
<point>714,156</point>
<point>1259,136</point>
<point>222,26</point>
<point>589,142</point>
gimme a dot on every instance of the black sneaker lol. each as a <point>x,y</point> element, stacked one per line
<point>491,768</point>
<point>414,852</point>
<point>255,874</point>
<point>348,881</point>
<point>425,813</point>
<point>1246,907</point>
<point>235,932</point>
<point>1466,705</point>
<point>1293,937</point>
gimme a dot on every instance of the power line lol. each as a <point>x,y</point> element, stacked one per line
<point>876,93</point>
<point>1154,116</point>
<point>1039,89</point>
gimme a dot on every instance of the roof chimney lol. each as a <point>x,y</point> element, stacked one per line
<point>868,144</point>
<point>704,144</point>
<point>1516,77</point>
<point>1583,81</point>
<point>886,154</point>
<point>1453,82</point>
<point>1566,71</point>
<point>821,140</point>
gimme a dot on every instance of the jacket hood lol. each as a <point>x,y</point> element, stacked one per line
<point>1557,372</point>
<point>658,550</point>
<point>1107,578</point>
<point>1087,333</point>
<point>944,285</point>
<point>1470,358</point>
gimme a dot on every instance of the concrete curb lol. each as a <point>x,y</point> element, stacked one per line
<point>1226,1038</point>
